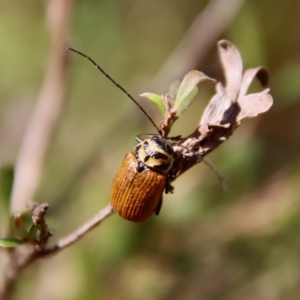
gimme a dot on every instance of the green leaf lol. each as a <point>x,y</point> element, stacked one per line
<point>174,91</point>
<point>10,243</point>
<point>157,100</point>
<point>186,102</point>
<point>33,232</point>
<point>188,90</point>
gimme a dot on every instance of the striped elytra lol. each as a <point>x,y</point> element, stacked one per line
<point>136,196</point>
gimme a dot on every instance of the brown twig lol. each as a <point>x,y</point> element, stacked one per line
<point>21,257</point>
<point>79,233</point>
<point>38,219</point>
<point>47,111</point>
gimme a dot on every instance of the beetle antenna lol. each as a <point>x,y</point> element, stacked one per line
<point>216,171</point>
<point>118,86</point>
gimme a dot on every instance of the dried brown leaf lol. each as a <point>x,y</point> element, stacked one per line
<point>254,104</point>
<point>233,67</point>
<point>261,73</point>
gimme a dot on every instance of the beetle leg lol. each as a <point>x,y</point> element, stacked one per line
<point>158,208</point>
<point>168,188</point>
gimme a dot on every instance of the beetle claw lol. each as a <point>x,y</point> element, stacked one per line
<point>169,188</point>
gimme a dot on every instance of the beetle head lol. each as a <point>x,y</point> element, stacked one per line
<point>155,153</point>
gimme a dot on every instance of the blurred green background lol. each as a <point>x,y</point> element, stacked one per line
<point>206,243</point>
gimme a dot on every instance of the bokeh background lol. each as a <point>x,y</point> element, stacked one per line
<point>207,243</point>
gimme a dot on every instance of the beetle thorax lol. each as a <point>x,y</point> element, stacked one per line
<point>155,153</point>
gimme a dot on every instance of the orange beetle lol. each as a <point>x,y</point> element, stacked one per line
<point>137,189</point>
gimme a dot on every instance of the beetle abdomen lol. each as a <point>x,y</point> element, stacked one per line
<point>135,196</point>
